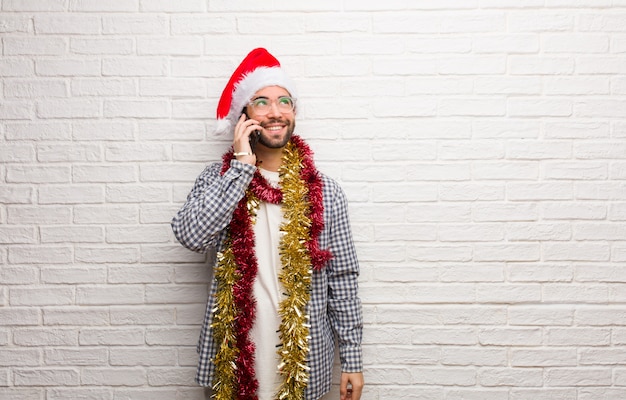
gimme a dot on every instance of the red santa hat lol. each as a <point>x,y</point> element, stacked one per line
<point>258,70</point>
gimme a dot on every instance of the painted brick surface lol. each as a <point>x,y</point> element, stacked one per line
<point>480,143</point>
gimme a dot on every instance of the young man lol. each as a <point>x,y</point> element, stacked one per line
<point>285,280</point>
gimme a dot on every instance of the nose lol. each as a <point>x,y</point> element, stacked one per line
<point>274,111</point>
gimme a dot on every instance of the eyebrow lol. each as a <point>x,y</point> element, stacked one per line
<point>267,98</point>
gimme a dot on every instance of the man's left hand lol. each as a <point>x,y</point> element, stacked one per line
<point>355,379</point>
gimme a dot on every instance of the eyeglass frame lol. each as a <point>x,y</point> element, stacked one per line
<point>276,101</point>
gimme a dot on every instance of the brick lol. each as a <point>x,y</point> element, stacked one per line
<point>545,65</point>
<point>194,67</point>
<point>63,194</point>
<point>38,131</point>
<point>34,5</point>
<point>17,235</point>
<point>109,6</point>
<point>578,336</point>
<point>510,294</point>
<point>460,376</point>
<point>171,376</point>
<point>140,274</point>
<point>67,24</point>
<point>93,316</point>
<point>110,294</point>
<point>134,24</point>
<point>576,294</point>
<point>18,316</point>
<point>113,376</point>
<point>102,130</point>
<point>16,110</point>
<point>100,255</point>
<point>466,355</point>
<point>172,5</point>
<point>129,356</point>
<point>14,393</point>
<point>68,109</point>
<point>517,377</point>
<point>177,46</point>
<point>192,109</point>
<point>178,131</point>
<point>40,46</point>
<point>179,336</point>
<point>16,194</point>
<point>106,214</point>
<point>539,107</point>
<point>121,47</point>
<point>33,174</point>
<point>202,24</point>
<point>111,337</point>
<point>19,357</point>
<point>528,315</point>
<point>84,356</point>
<point>142,315</point>
<point>510,336</point>
<point>134,66</point>
<point>95,173</point>
<point>18,67</point>
<point>140,234</point>
<point>471,192</point>
<point>404,193</point>
<point>46,377</point>
<point>67,68</point>
<point>533,21</point>
<point>41,296</point>
<point>136,109</point>
<point>578,377</point>
<point>180,294</point>
<point>36,337</point>
<point>470,232</point>
<point>74,234</point>
<point>19,275</point>
<point>577,130</point>
<point>35,88</point>
<point>131,193</point>
<point>40,254</point>
<point>574,251</point>
<point>15,24</point>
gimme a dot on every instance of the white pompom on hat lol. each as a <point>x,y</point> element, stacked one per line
<point>258,70</point>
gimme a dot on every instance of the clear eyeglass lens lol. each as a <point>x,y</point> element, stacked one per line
<point>262,106</point>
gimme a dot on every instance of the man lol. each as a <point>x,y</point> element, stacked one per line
<point>285,280</point>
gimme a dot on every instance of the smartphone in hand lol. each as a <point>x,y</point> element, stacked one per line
<point>254,137</point>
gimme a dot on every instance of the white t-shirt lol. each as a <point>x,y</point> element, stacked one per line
<point>268,293</point>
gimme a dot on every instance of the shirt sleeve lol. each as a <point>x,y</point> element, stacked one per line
<point>210,205</point>
<point>344,304</point>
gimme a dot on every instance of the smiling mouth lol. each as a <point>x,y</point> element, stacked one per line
<point>274,128</point>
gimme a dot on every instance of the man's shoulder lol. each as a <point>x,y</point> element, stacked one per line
<point>331,187</point>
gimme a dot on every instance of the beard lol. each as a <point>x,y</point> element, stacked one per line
<point>277,143</point>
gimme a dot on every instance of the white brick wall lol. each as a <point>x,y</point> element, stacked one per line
<point>480,142</point>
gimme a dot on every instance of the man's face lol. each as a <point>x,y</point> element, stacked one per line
<point>278,126</point>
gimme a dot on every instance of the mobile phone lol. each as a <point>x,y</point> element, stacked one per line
<point>254,139</point>
<point>254,136</point>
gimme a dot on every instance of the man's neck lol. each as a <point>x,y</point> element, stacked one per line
<point>269,159</point>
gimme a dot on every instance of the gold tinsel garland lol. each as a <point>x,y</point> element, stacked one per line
<point>296,279</point>
<point>224,317</point>
<point>295,276</point>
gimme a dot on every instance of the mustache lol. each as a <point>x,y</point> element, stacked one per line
<point>274,121</point>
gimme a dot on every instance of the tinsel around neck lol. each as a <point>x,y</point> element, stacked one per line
<point>301,199</point>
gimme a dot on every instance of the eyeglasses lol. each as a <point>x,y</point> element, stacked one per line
<point>263,105</point>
